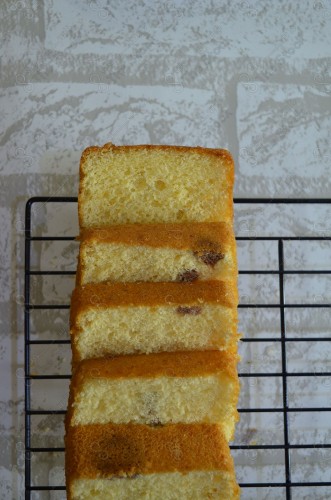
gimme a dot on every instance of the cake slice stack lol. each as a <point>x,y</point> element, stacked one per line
<point>154,326</point>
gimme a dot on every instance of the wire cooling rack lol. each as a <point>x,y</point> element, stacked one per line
<point>296,466</point>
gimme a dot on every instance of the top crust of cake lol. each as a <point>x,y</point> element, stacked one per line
<point>109,146</point>
<point>104,450</point>
<point>154,183</point>
<point>196,236</point>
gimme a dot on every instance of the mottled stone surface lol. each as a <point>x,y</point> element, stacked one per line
<point>251,76</point>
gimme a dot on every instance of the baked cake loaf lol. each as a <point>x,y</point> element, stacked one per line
<point>180,461</point>
<point>157,389</point>
<point>157,252</point>
<point>153,326</point>
<point>125,318</point>
<point>144,184</point>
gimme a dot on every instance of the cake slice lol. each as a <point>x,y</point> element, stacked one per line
<point>157,252</point>
<point>145,183</point>
<point>125,318</point>
<point>180,461</point>
<point>157,389</point>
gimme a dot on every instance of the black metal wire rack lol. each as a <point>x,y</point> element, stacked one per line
<point>287,486</point>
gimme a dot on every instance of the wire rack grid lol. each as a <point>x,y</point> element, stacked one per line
<point>286,487</point>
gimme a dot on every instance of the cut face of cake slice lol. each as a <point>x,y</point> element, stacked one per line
<point>143,184</point>
<point>118,462</point>
<point>157,389</point>
<point>126,318</point>
<point>157,252</point>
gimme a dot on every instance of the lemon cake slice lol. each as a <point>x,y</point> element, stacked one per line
<point>180,461</point>
<point>125,318</point>
<point>157,252</point>
<point>145,183</point>
<point>157,389</point>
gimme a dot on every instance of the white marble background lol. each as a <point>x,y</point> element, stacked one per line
<point>251,76</point>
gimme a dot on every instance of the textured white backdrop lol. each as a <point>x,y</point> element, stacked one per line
<point>251,76</point>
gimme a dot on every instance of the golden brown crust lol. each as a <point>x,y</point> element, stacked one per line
<point>109,146</point>
<point>108,294</point>
<point>169,364</point>
<point>224,154</point>
<point>78,280</point>
<point>75,354</point>
<point>196,236</point>
<point>105,450</point>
